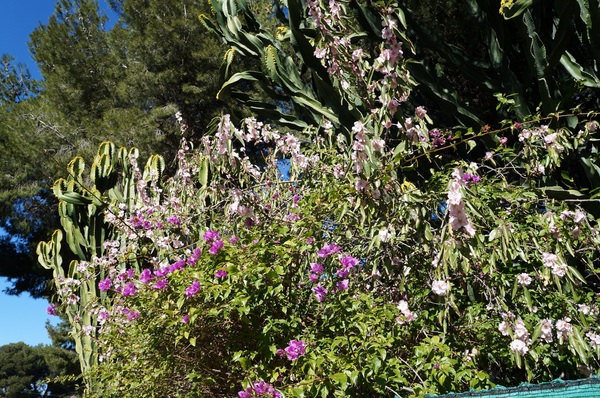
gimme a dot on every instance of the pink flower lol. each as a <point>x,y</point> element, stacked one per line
<point>104,284</point>
<point>146,276</point>
<point>320,292</point>
<point>129,290</point>
<point>210,235</point>
<point>342,285</point>
<point>160,284</point>
<point>295,349</point>
<point>317,268</point>
<point>51,310</point>
<point>174,220</point>
<point>192,290</point>
<point>221,274</point>
<point>216,246</point>
<point>440,287</point>
<point>328,249</point>
<point>132,315</point>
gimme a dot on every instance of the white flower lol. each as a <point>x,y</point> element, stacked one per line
<point>440,287</point>
<point>403,306</point>
<point>584,309</point>
<point>520,330</point>
<point>559,270</point>
<point>503,328</point>
<point>519,347</point>
<point>594,339</point>
<point>524,279</point>
<point>549,259</point>
<point>579,216</point>
<point>546,328</point>
<point>564,328</point>
<point>384,235</point>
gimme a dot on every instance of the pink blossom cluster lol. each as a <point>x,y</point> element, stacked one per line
<point>359,154</point>
<point>564,328</point>
<point>440,287</point>
<point>518,331</point>
<point>350,67</point>
<point>294,350</point>
<point>578,217</point>
<point>260,389</point>
<point>594,339</point>
<point>551,260</point>
<point>347,264</point>
<point>456,205</point>
<point>407,316</point>
<point>543,135</point>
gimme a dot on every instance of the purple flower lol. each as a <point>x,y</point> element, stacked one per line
<point>310,240</point>
<point>179,264</point>
<point>210,235</point>
<point>260,389</point>
<point>104,284</point>
<point>328,250</point>
<point>185,319</point>
<point>160,284</point>
<point>317,268</point>
<point>51,310</point>
<point>192,289</point>
<point>129,289</point>
<point>193,259</point>
<point>146,276</point>
<point>216,246</point>
<point>295,349</point>
<point>348,261</point>
<point>296,199</point>
<point>132,315</point>
<point>342,285</point>
<point>343,272</point>
<point>313,277</point>
<point>233,240</point>
<point>174,220</point>
<point>221,274</point>
<point>320,292</point>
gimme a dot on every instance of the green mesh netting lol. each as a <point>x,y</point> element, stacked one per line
<point>585,388</point>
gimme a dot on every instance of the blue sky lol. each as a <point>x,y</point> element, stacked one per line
<point>17,20</point>
<point>22,318</point>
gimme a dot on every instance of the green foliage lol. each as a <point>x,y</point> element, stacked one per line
<point>392,257</point>
<point>21,367</point>
<point>25,371</point>
<point>16,84</point>
<point>541,52</point>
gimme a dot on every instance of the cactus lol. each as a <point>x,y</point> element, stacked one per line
<point>82,204</point>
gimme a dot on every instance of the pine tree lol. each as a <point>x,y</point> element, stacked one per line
<point>123,83</point>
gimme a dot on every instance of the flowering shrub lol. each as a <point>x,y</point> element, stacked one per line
<point>355,275</point>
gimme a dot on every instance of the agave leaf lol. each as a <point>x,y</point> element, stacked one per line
<point>517,8</point>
